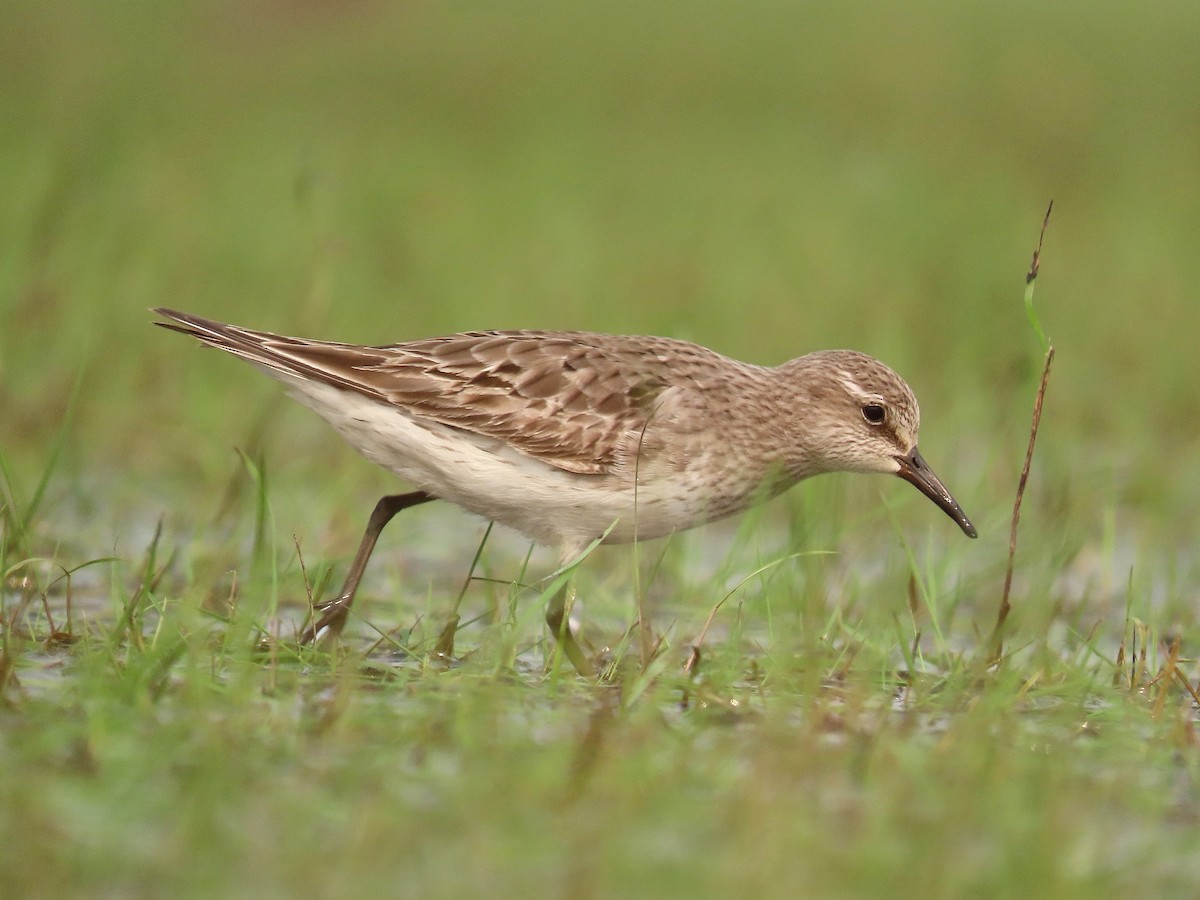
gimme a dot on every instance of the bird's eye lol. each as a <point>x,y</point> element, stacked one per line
<point>874,413</point>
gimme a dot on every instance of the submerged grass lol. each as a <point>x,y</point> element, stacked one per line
<point>190,764</point>
<point>840,728</point>
<point>841,749</point>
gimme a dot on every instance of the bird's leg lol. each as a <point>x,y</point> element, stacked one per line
<point>558,618</point>
<point>333,612</point>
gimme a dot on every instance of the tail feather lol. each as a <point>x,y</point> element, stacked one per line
<point>216,334</point>
<point>281,356</point>
<point>249,345</point>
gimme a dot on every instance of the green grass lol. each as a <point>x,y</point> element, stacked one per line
<point>766,180</point>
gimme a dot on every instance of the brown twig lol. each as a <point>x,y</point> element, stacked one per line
<point>1167,676</point>
<point>1036,263</point>
<point>1005,606</point>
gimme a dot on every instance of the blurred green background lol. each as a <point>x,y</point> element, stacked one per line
<point>766,178</point>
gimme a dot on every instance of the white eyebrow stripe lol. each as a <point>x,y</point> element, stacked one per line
<point>852,387</point>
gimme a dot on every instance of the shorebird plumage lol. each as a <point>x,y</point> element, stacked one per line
<point>568,436</point>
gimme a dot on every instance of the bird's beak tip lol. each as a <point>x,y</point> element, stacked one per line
<point>915,470</point>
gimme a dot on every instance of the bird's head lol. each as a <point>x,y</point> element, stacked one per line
<point>860,416</point>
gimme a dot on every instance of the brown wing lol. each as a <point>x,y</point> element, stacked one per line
<point>570,399</point>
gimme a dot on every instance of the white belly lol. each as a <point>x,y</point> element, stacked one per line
<point>561,509</point>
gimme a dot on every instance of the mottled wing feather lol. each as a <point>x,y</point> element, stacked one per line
<point>572,400</point>
<point>558,398</point>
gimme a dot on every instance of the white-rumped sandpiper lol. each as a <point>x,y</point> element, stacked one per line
<point>570,436</point>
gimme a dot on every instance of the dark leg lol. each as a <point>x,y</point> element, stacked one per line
<point>330,616</point>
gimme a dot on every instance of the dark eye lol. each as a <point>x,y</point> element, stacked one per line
<point>874,413</point>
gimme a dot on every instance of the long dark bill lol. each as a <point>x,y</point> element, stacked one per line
<point>914,468</point>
